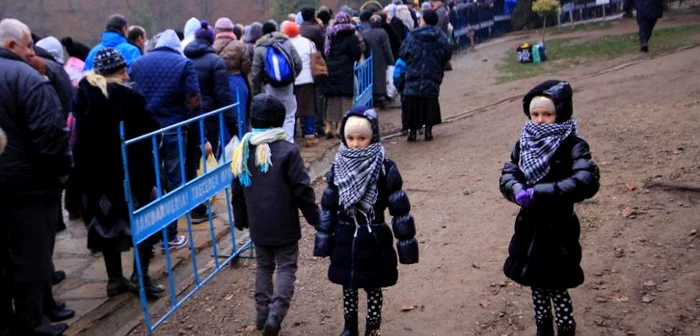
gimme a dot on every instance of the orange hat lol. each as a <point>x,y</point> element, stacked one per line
<point>291,29</point>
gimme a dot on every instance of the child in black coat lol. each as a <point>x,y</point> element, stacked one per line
<point>550,169</point>
<point>362,184</point>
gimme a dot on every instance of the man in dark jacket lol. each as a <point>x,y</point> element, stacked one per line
<point>170,85</point>
<point>648,11</point>
<point>270,206</point>
<point>137,37</point>
<point>32,168</point>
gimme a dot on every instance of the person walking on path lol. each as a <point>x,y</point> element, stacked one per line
<point>648,12</point>
<point>170,85</point>
<point>270,186</point>
<point>32,169</point>
<point>426,51</point>
<point>115,37</point>
<point>238,65</point>
<point>550,169</point>
<point>362,184</point>
<point>304,86</point>
<point>382,57</point>
<point>342,50</point>
<point>102,102</point>
<point>272,44</point>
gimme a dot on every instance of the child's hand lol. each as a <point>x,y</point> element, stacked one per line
<point>525,197</point>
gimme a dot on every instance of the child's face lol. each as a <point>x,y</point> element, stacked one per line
<point>543,116</point>
<point>357,140</point>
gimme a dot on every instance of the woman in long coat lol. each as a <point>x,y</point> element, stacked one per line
<point>382,57</point>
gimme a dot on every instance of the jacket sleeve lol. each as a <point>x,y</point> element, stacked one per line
<point>47,127</point>
<point>191,87</point>
<point>246,63</point>
<point>224,95</point>
<point>304,196</point>
<point>238,205</point>
<point>63,86</point>
<point>298,64</point>
<point>512,179</point>
<point>357,49</point>
<point>405,51</point>
<point>583,183</point>
<point>402,223</point>
<point>386,47</point>
<point>256,75</point>
<point>330,204</point>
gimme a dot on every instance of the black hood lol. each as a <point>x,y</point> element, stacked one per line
<point>364,112</point>
<point>198,48</point>
<point>559,91</point>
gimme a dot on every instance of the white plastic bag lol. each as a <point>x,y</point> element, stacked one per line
<point>391,90</point>
<point>229,149</point>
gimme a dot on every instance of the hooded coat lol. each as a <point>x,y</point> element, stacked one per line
<point>258,69</point>
<point>364,257</point>
<point>191,27</point>
<point>425,51</point>
<point>234,53</point>
<point>382,56</point>
<point>345,51</point>
<point>544,251</point>
<point>252,35</point>
<point>117,41</point>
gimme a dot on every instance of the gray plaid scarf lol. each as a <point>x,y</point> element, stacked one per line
<point>538,143</point>
<point>356,175</point>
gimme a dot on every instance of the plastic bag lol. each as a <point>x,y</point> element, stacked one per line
<point>228,151</point>
<point>211,165</point>
<point>391,90</point>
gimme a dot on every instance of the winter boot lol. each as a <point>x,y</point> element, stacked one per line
<point>272,325</point>
<point>351,328</point>
<point>428,133</point>
<point>412,136</point>
<point>153,290</point>
<point>372,328</point>
<point>545,329</point>
<point>566,331</point>
<point>260,319</point>
<point>119,285</point>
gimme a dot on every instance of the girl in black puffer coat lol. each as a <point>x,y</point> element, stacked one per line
<point>550,169</point>
<point>362,184</point>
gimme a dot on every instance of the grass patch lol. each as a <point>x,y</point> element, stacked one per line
<point>583,27</point>
<point>564,53</point>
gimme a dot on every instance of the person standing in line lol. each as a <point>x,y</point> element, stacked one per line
<point>304,86</point>
<point>648,12</point>
<point>238,65</point>
<point>314,31</point>
<point>382,57</point>
<point>362,184</point>
<point>137,36</point>
<point>114,36</point>
<point>252,34</point>
<point>550,169</point>
<point>191,27</point>
<point>270,186</point>
<point>426,51</point>
<point>32,169</point>
<point>75,49</point>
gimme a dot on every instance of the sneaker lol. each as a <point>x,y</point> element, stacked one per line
<point>178,243</point>
<point>199,218</point>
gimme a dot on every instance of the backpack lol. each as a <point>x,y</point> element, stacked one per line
<point>279,67</point>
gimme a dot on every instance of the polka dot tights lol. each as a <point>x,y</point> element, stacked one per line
<point>374,305</point>
<point>543,299</point>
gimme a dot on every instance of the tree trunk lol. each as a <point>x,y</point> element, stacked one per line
<point>544,28</point>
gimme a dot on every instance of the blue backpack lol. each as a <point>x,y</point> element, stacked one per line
<point>279,68</point>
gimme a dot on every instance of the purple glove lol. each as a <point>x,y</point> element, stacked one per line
<point>525,197</point>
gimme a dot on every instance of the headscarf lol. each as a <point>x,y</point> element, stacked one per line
<point>538,143</point>
<point>54,47</point>
<point>404,14</point>
<point>253,33</point>
<point>170,40</point>
<point>343,22</point>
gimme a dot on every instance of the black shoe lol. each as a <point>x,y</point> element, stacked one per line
<point>119,285</point>
<point>545,329</point>
<point>57,277</point>
<point>351,328</point>
<point>58,329</point>
<point>153,290</point>
<point>372,329</point>
<point>428,133</point>
<point>644,48</point>
<point>272,325</point>
<point>566,331</point>
<point>260,320</point>
<point>61,315</point>
<point>199,218</point>
<point>412,136</point>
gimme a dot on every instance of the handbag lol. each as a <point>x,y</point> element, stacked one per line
<point>319,69</point>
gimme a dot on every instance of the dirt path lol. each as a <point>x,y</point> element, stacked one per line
<point>642,272</point>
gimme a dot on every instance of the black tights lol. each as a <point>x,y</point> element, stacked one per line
<point>113,260</point>
<point>374,305</point>
<point>543,299</point>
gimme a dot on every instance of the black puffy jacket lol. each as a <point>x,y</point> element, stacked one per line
<point>345,51</point>
<point>37,151</point>
<point>425,51</point>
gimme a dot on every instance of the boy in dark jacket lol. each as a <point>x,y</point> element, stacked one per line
<point>362,184</point>
<point>269,187</point>
<point>550,169</point>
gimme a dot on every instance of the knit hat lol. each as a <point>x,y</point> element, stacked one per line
<point>266,111</point>
<point>430,17</point>
<point>108,61</point>
<point>268,27</point>
<point>361,112</point>
<point>358,125</point>
<point>224,24</point>
<point>542,102</point>
<point>205,33</point>
<point>291,29</point>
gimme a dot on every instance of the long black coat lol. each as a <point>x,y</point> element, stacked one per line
<point>382,57</point>
<point>544,251</point>
<point>649,9</point>
<point>98,159</point>
<point>345,51</point>
<point>425,51</point>
<point>367,260</point>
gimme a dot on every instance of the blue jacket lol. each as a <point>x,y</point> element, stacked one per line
<point>166,79</point>
<point>119,43</point>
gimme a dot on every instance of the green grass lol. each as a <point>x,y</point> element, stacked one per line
<point>564,53</point>
<point>584,27</point>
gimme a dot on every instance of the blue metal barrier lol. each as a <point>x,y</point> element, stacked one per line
<point>169,206</point>
<point>364,86</point>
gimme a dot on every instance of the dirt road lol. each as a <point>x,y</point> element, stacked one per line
<point>640,244</point>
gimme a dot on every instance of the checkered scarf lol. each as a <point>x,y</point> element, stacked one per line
<point>356,174</point>
<point>538,143</point>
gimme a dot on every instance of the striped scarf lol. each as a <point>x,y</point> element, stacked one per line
<point>538,143</point>
<point>356,175</point>
<point>261,138</point>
